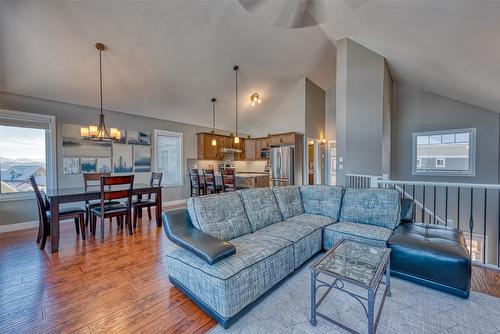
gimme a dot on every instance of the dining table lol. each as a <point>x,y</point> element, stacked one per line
<point>61,195</point>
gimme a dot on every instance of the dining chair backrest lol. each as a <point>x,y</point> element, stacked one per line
<point>155,181</point>
<point>93,179</point>
<point>228,182</point>
<point>41,202</point>
<point>209,179</point>
<point>115,188</point>
<point>194,180</point>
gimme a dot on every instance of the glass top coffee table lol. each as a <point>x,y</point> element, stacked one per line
<point>356,263</point>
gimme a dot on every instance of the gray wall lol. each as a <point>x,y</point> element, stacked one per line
<point>12,212</point>
<point>315,111</point>
<point>417,110</point>
<point>360,109</point>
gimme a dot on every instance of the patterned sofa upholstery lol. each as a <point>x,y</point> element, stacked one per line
<point>272,232</point>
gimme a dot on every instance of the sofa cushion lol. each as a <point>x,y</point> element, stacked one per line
<point>322,200</point>
<point>261,207</point>
<point>316,221</point>
<point>306,238</point>
<point>289,201</point>
<point>370,234</point>
<point>222,215</point>
<point>431,252</point>
<point>378,207</point>
<point>229,285</point>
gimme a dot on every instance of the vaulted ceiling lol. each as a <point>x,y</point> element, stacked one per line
<point>167,59</point>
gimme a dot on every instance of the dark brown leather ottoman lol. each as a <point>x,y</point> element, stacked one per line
<point>431,255</point>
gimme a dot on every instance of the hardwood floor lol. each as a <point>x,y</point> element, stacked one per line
<point>118,286</point>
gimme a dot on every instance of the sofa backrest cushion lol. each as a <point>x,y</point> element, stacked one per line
<point>375,206</point>
<point>289,201</point>
<point>261,207</point>
<point>322,200</point>
<point>222,215</point>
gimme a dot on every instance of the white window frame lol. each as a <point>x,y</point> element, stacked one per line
<point>443,165</point>
<point>419,163</point>
<point>50,150</point>
<point>472,154</point>
<point>179,135</point>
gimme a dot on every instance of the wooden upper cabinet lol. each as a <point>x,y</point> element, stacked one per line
<point>205,149</point>
<point>250,152</point>
<point>282,139</point>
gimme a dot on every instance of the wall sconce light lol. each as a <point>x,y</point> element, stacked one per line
<point>311,142</point>
<point>254,99</point>
<point>323,141</point>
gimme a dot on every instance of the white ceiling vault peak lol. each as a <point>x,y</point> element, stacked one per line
<point>164,59</point>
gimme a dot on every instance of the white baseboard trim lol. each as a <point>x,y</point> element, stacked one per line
<point>24,226</point>
<point>176,202</point>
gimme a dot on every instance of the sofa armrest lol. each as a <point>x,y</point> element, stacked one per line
<point>407,208</point>
<point>180,230</point>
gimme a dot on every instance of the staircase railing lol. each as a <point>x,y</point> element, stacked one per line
<point>471,207</point>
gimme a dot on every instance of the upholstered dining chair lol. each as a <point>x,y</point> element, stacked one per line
<point>75,213</point>
<point>93,180</point>
<point>114,188</point>
<point>197,188</point>
<point>211,185</point>
<point>150,200</point>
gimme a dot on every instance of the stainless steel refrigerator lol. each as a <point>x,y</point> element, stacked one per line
<point>282,166</point>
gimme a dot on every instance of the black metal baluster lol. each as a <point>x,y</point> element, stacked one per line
<point>471,220</point>
<point>423,205</point>
<point>498,240</point>
<point>404,190</point>
<point>446,207</point>
<point>434,206</point>
<point>413,199</point>
<point>458,207</point>
<point>484,223</point>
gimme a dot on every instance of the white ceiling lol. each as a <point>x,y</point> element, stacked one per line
<point>447,47</point>
<point>167,59</point>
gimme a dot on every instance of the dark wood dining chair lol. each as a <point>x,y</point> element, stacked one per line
<point>93,180</point>
<point>197,188</point>
<point>75,213</point>
<point>150,200</point>
<point>211,185</point>
<point>228,180</point>
<point>114,188</point>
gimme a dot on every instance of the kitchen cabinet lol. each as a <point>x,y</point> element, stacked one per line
<point>205,150</point>
<point>261,144</point>
<point>282,139</point>
<point>250,149</point>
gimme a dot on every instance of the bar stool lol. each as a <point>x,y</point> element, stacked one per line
<point>211,185</point>
<point>197,188</point>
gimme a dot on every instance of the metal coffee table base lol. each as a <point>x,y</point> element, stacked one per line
<point>339,285</point>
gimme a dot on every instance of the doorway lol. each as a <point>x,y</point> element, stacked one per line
<point>313,169</point>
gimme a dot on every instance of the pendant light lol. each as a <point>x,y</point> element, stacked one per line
<point>100,132</point>
<point>236,138</point>
<point>214,142</point>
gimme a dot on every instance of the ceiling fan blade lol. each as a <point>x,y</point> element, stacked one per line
<point>252,5</point>
<point>300,14</point>
<point>355,4</point>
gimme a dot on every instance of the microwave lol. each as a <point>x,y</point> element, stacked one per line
<point>264,154</point>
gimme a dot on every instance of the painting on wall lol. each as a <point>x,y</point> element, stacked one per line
<point>144,138</point>
<point>71,166</point>
<point>142,159</point>
<point>123,137</point>
<point>122,158</point>
<point>88,165</point>
<point>103,165</point>
<point>76,147</point>
<point>132,137</point>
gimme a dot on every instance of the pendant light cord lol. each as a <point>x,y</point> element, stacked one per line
<point>100,78</point>
<point>213,114</point>
<point>236,99</point>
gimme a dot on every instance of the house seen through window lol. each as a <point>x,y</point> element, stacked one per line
<point>447,152</point>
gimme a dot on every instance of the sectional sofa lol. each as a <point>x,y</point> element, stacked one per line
<point>236,246</point>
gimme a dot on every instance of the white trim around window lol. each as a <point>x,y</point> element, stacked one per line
<point>47,122</point>
<point>444,169</point>
<point>172,177</point>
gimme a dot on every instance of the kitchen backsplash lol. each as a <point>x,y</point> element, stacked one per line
<point>241,166</point>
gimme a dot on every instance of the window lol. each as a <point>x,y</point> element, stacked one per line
<point>446,152</point>
<point>27,142</point>
<point>168,153</point>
